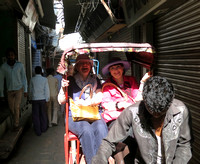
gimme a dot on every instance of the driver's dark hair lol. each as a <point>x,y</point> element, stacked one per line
<point>158,94</point>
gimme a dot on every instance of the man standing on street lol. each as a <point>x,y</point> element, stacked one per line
<point>39,96</point>
<point>16,83</point>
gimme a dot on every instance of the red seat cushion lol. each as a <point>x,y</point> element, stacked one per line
<point>72,136</point>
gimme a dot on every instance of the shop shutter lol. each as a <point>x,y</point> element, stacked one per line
<point>21,43</point>
<point>124,35</point>
<point>22,49</point>
<point>177,44</point>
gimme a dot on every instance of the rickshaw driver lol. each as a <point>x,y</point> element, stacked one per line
<point>159,119</point>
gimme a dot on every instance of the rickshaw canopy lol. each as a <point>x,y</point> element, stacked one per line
<point>142,53</point>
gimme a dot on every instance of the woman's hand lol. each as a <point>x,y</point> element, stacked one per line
<point>97,99</point>
<point>64,83</point>
<point>146,76</point>
<point>83,102</point>
<point>144,79</point>
<point>61,94</point>
<point>122,105</point>
<point>79,101</point>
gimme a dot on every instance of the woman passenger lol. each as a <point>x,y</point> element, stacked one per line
<point>89,134</point>
<point>113,102</point>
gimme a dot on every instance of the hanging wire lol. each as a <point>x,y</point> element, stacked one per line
<point>90,5</point>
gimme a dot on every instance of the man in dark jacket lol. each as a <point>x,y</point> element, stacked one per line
<point>160,125</point>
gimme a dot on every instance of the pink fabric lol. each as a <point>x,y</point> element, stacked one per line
<point>110,94</point>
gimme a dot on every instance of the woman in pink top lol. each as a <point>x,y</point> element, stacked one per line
<point>113,102</point>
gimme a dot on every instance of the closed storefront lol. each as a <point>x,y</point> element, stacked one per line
<point>23,56</point>
<point>123,35</point>
<point>21,43</point>
<point>177,42</point>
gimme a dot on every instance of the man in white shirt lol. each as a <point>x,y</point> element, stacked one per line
<point>39,96</point>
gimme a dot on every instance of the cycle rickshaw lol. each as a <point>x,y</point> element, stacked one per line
<point>140,53</point>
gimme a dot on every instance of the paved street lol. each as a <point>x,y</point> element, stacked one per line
<point>45,149</point>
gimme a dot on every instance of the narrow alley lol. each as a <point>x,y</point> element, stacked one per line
<point>45,149</point>
<point>52,33</point>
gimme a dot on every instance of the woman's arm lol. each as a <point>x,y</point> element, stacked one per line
<point>97,98</point>
<point>61,94</point>
<point>142,81</point>
<point>113,100</point>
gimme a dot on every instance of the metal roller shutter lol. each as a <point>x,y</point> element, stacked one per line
<point>177,42</point>
<point>21,33</point>
<point>21,43</point>
<point>123,35</point>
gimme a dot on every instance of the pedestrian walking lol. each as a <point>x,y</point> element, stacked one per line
<point>12,71</point>
<point>52,105</point>
<point>39,96</point>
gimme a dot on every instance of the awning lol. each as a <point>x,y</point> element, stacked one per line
<point>49,18</point>
<point>14,4</point>
<point>71,13</point>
